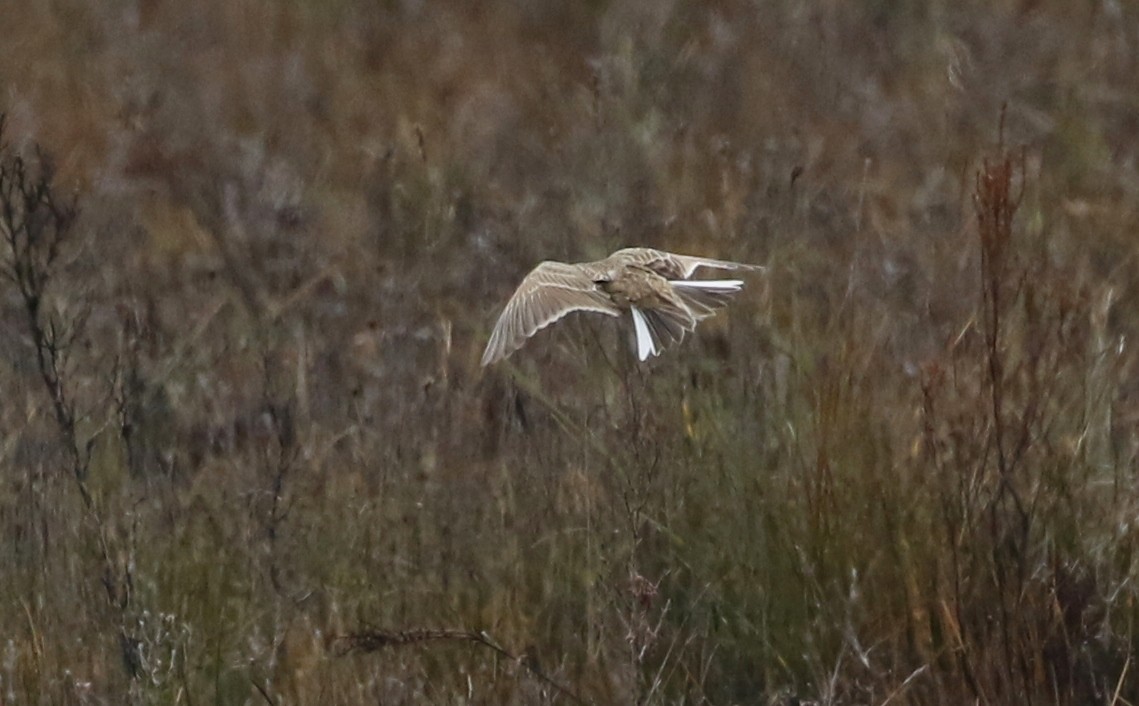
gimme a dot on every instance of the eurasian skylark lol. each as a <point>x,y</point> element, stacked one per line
<point>652,285</point>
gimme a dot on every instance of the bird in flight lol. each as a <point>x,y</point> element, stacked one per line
<point>652,285</point>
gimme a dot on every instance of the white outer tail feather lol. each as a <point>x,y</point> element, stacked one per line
<point>645,344</point>
<point>733,285</point>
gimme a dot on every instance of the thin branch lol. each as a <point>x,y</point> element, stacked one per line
<point>373,640</point>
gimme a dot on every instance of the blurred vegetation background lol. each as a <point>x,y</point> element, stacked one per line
<point>247,454</point>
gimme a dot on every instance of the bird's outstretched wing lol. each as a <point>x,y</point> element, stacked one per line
<point>549,292</point>
<point>672,266</point>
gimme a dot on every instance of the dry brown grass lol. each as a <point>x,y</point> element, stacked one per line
<point>244,428</point>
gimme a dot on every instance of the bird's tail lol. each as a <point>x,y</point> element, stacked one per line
<point>668,321</point>
<point>646,345</point>
<point>660,325</point>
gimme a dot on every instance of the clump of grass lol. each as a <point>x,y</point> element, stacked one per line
<point>1024,502</point>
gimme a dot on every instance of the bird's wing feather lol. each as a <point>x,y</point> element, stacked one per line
<point>673,266</point>
<point>704,296</point>
<point>549,292</point>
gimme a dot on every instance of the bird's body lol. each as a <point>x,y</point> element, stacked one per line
<point>652,285</point>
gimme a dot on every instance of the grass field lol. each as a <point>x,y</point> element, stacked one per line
<point>252,251</point>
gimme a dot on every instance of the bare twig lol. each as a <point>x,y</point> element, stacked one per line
<point>373,640</point>
<point>33,227</point>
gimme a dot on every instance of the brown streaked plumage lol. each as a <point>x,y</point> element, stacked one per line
<point>652,285</point>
